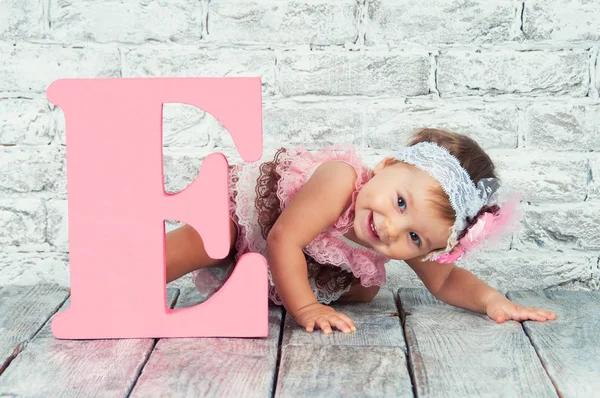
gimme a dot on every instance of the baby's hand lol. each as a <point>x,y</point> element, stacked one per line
<point>501,309</point>
<point>324,317</point>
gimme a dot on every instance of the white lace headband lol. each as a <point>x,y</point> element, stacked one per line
<point>465,197</point>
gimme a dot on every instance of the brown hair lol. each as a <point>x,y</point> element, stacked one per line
<point>471,157</point>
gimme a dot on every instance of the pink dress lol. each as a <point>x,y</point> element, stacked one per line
<point>258,194</point>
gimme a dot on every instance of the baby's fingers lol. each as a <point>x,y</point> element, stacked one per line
<point>540,315</point>
<point>548,314</point>
<point>348,321</point>
<point>310,326</point>
<point>323,323</point>
<point>533,314</point>
<point>342,324</point>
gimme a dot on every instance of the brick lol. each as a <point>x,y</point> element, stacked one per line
<point>596,65</point>
<point>373,156</point>
<point>32,170</point>
<point>558,227</point>
<point>34,268</point>
<point>57,125</point>
<point>126,22</point>
<point>21,19</point>
<point>181,168</point>
<point>25,122</point>
<point>563,127</point>
<point>186,62</point>
<point>543,177</point>
<point>532,73</point>
<point>57,231</point>
<point>594,177</point>
<point>317,22</point>
<point>289,124</point>
<point>186,126</point>
<point>492,125</point>
<point>353,73</point>
<point>31,68</point>
<point>512,270</point>
<point>312,125</point>
<point>595,284</point>
<point>570,20</point>
<point>22,222</point>
<point>516,270</point>
<point>439,22</point>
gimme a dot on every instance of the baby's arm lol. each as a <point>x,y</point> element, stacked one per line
<point>315,207</point>
<point>460,288</point>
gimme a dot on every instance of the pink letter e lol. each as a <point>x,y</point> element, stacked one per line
<point>117,206</point>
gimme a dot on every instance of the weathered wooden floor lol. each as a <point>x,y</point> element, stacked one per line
<point>431,350</point>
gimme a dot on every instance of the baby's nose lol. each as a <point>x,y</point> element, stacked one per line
<point>391,229</point>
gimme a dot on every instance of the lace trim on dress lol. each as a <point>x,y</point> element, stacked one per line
<point>329,282</point>
<point>294,169</point>
<point>355,245</point>
<point>297,165</point>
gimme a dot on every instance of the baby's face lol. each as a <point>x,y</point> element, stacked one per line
<point>396,215</point>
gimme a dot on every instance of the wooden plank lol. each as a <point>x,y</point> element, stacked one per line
<point>77,368</point>
<point>458,353</point>
<point>343,371</point>
<point>377,324</point>
<point>23,312</point>
<point>569,346</point>
<point>207,367</point>
<point>368,362</point>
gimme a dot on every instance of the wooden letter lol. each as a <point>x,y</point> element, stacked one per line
<point>117,206</point>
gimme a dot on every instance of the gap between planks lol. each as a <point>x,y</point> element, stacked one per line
<point>409,365</point>
<point>147,358</point>
<point>278,360</point>
<point>542,362</point>
<point>22,345</point>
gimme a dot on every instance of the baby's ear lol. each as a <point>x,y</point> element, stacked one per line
<point>381,165</point>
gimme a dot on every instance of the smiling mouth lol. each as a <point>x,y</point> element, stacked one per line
<point>372,227</point>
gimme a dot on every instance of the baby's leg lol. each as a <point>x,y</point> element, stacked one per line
<point>186,253</point>
<point>360,294</point>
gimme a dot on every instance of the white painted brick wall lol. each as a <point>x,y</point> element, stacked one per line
<point>594,177</point>
<point>569,20</point>
<point>564,127</point>
<point>25,122</point>
<point>132,22</point>
<point>521,77</point>
<point>532,73</point>
<point>595,73</point>
<point>28,69</point>
<point>343,73</point>
<point>439,22</point>
<point>318,22</point>
<point>492,124</point>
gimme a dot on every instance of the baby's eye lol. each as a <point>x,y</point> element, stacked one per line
<point>401,203</point>
<point>415,238</point>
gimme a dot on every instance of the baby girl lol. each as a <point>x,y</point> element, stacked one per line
<point>327,224</point>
